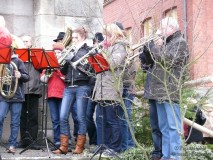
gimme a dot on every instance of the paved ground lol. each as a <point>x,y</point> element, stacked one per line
<point>37,154</point>
<point>42,155</point>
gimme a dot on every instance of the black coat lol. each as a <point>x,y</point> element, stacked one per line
<point>75,76</point>
<point>165,69</point>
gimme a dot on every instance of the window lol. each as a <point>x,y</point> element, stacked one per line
<point>106,2</point>
<point>172,12</point>
<point>147,27</point>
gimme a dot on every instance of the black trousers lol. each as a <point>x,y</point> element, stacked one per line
<point>29,118</point>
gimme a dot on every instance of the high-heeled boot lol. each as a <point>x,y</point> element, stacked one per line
<point>81,140</point>
<point>64,145</point>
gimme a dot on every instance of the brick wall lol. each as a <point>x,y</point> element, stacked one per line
<point>199,25</point>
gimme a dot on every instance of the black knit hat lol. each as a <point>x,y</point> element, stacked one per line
<point>60,36</point>
<point>98,37</point>
<point>120,25</point>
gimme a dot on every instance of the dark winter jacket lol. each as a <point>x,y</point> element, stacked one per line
<point>33,86</point>
<point>75,76</point>
<point>165,69</point>
<point>19,94</point>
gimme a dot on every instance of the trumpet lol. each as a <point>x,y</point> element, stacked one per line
<point>65,53</point>
<point>83,59</point>
<point>142,44</point>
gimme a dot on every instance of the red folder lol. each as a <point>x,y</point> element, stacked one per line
<point>42,59</point>
<point>98,63</point>
<point>5,55</point>
<point>23,54</point>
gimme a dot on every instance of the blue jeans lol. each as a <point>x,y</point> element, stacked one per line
<point>169,119</point>
<point>91,127</point>
<point>156,133</point>
<point>127,141</point>
<point>55,107</point>
<point>81,95</point>
<point>111,135</point>
<point>75,120</point>
<point>15,111</point>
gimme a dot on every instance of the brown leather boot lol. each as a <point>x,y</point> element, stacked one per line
<point>64,145</point>
<point>80,144</point>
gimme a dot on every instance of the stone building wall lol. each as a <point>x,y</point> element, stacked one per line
<point>44,19</point>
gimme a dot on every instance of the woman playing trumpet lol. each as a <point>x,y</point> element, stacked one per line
<point>55,80</point>
<point>77,91</point>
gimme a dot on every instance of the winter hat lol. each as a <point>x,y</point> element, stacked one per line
<point>120,25</point>
<point>60,36</point>
<point>98,37</point>
<point>5,37</point>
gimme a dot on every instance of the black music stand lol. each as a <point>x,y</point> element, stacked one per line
<point>24,55</point>
<point>100,65</point>
<point>5,58</point>
<point>43,60</point>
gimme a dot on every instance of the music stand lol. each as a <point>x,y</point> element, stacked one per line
<point>43,60</point>
<point>100,65</point>
<point>5,55</point>
<point>5,58</point>
<point>24,55</point>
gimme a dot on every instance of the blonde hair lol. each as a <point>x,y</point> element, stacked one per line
<point>114,32</point>
<point>82,31</point>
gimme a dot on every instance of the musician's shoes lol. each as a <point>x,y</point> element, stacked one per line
<point>11,149</point>
<point>53,148</point>
<point>93,148</point>
<point>109,153</point>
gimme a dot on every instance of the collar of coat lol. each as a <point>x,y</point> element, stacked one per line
<point>176,34</point>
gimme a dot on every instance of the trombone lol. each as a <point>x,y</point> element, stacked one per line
<point>142,43</point>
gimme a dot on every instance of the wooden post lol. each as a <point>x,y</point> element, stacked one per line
<point>198,127</point>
